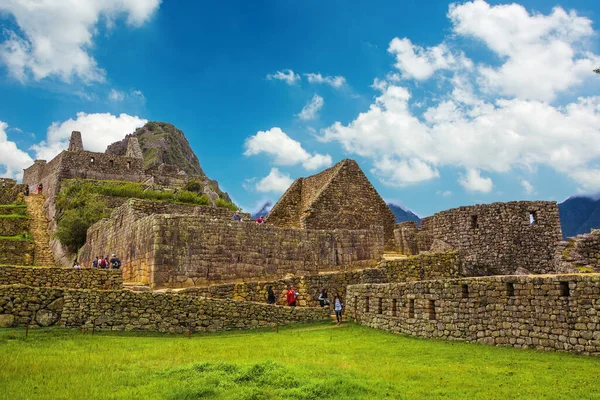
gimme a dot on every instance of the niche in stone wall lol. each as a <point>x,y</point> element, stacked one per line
<point>92,160</point>
<point>411,308</point>
<point>128,164</point>
<point>532,218</point>
<point>111,163</point>
<point>510,289</point>
<point>431,309</point>
<point>564,289</point>
<point>366,304</point>
<point>474,223</point>
<point>394,307</point>
<point>465,291</point>
<point>379,305</point>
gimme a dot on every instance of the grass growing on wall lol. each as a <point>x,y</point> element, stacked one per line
<point>81,203</point>
<point>317,361</point>
<point>26,237</point>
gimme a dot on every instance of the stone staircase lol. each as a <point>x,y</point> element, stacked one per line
<point>38,227</point>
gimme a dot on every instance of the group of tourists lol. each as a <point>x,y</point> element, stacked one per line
<point>106,262</point>
<point>238,218</point>
<point>291,298</point>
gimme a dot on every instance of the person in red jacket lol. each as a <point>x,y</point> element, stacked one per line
<point>291,296</point>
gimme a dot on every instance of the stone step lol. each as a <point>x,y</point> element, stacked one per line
<point>38,227</point>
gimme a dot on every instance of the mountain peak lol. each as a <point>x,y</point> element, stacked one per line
<point>162,143</point>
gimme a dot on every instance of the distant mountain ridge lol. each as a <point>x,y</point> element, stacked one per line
<point>579,214</point>
<point>403,215</point>
<point>263,211</point>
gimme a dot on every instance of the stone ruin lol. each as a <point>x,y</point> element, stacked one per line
<point>329,230</point>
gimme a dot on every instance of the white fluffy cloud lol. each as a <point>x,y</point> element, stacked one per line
<point>474,182</point>
<point>543,54</point>
<point>287,75</point>
<point>463,128</point>
<point>419,63</point>
<point>55,36</point>
<point>12,160</point>
<point>527,186</point>
<point>336,82</point>
<point>311,110</point>
<point>285,150</point>
<point>97,131</point>
<point>275,182</point>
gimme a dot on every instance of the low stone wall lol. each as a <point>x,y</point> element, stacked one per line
<point>424,266</point>
<point>11,192</point>
<point>16,252</point>
<point>12,226</point>
<point>130,311</point>
<point>84,278</point>
<point>549,312</point>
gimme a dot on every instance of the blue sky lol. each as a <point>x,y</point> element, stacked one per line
<point>442,104</point>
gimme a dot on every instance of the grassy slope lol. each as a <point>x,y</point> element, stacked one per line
<point>301,362</point>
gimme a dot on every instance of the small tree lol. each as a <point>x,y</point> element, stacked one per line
<point>597,70</point>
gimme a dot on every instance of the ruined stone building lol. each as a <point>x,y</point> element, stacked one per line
<point>340,197</point>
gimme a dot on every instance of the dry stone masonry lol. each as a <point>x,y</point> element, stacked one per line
<point>200,248</point>
<point>559,312</point>
<point>77,278</point>
<point>493,239</point>
<point>340,197</point>
<point>122,310</point>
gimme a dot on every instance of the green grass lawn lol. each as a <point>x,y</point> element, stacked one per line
<point>317,361</point>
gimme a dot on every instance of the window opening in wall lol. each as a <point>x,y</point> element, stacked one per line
<point>92,160</point>
<point>564,289</point>
<point>465,291</point>
<point>379,305</point>
<point>431,308</point>
<point>366,304</point>
<point>411,308</point>
<point>394,307</point>
<point>510,289</point>
<point>111,163</point>
<point>128,164</point>
<point>474,224</point>
<point>532,218</point>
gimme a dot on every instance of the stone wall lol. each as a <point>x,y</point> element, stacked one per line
<point>167,250</point>
<point>340,197</point>
<point>130,311</point>
<point>495,239</point>
<point>10,193</point>
<point>425,266</point>
<point>579,254</point>
<point>16,252</point>
<point>13,226</point>
<point>557,312</point>
<point>84,278</point>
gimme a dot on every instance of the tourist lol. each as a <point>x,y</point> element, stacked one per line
<point>3,184</point>
<point>338,306</point>
<point>323,301</point>
<point>26,190</point>
<point>260,220</point>
<point>96,262</point>
<point>103,263</point>
<point>40,188</point>
<point>76,264</point>
<point>271,299</point>
<point>237,217</point>
<point>115,262</point>
<point>291,296</point>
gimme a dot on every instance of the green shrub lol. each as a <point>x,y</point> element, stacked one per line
<point>226,204</point>
<point>78,214</point>
<point>193,186</point>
